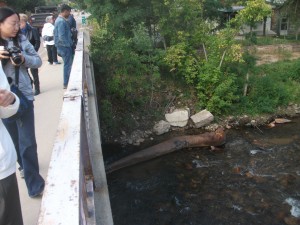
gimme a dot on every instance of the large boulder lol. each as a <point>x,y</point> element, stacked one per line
<point>202,118</point>
<point>178,118</point>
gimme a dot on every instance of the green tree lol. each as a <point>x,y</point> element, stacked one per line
<point>123,44</point>
<point>211,8</point>
<point>254,11</point>
<point>126,40</point>
<point>24,5</point>
<point>53,2</point>
<point>292,9</point>
<point>201,56</point>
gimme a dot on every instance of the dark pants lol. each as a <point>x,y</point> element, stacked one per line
<point>22,133</point>
<point>52,53</point>
<point>10,207</point>
<point>36,81</point>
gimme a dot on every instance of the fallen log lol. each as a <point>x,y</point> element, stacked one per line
<point>216,138</point>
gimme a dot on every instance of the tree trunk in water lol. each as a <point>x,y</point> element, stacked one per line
<point>216,138</point>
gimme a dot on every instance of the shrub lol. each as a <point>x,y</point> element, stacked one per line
<point>128,64</point>
<point>251,38</point>
<point>216,90</point>
<point>265,95</point>
<point>106,114</point>
<point>281,71</point>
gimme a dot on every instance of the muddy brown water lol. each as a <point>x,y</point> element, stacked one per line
<point>254,180</point>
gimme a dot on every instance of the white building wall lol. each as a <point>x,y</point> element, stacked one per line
<point>258,28</point>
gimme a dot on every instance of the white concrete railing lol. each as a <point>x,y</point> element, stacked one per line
<point>76,170</point>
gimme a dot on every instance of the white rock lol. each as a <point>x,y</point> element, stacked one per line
<point>161,127</point>
<point>178,118</point>
<point>295,211</point>
<point>202,118</point>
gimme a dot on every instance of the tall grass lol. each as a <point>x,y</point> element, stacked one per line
<point>270,86</point>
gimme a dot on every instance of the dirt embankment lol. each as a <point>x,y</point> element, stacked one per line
<point>273,53</point>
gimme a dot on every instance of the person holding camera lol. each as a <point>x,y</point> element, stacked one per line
<point>33,36</point>
<point>10,206</point>
<point>19,55</point>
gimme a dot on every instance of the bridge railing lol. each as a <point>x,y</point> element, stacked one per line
<point>76,175</point>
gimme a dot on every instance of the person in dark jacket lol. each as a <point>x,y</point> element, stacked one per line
<point>33,36</point>
<point>74,31</point>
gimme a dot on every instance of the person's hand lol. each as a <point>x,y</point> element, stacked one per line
<point>3,53</point>
<point>6,98</point>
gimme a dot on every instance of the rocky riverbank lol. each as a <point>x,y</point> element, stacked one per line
<point>139,136</point>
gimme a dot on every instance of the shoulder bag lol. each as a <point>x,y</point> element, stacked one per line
<point>25,104</point>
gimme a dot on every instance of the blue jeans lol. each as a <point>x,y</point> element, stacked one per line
<point>67,56</point>
<point>22,133</point>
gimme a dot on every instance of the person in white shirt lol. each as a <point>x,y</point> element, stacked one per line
<point>47,35</point>
<point>10,207</point>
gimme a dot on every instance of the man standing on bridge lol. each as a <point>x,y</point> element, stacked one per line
<point>48,36</point>
<point>63,41</point>
<point>33,37</point>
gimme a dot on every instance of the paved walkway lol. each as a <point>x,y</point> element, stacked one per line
<point>48,106</point>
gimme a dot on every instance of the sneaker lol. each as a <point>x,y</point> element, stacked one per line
<point>50,63</point>
<point>22,173</point>
<point>65,87</point>
<point>56,63</point>
<point>37,194</point>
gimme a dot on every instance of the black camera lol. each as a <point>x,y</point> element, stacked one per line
<point>14,54</point>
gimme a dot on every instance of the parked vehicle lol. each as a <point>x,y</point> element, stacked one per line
<point>37,19</point>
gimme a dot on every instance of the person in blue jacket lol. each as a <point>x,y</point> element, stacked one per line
<point>10,206</point>
<point>63,41</point>
<point>22,131</point>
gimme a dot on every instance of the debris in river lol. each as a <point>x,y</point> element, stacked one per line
<point>216,138</point>
<point>282,120</point>
<point>271,125</point>
<point>278,121</point>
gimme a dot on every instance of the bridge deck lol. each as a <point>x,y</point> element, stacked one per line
<point>47,112</point>
<point>91,203</point>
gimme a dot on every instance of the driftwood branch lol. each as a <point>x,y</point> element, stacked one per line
<point>205,53</point>
<point>221,62</point>
<point>246,85</point>
<point>216,138</point>
<point>169,104</point>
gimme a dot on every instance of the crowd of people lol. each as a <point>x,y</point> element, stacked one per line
<point>19,45</point>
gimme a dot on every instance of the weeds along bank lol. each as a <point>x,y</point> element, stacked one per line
<point>273,90</point>
<point>137,85</point>
<point>151,57</point>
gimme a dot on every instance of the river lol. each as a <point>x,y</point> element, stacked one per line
<point>254,180</point>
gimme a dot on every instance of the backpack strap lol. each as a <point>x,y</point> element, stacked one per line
<point>17,73</point>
